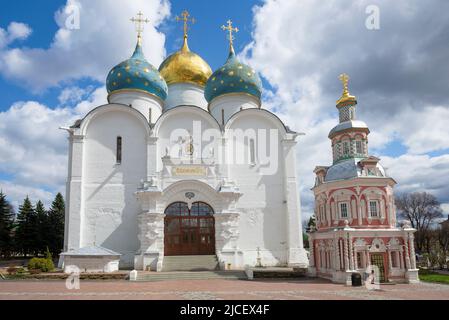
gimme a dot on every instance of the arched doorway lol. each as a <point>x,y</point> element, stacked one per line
<point>189,231</point>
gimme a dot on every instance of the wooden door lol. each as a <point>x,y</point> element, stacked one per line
<point>377,259</point>
<point>189,231</point>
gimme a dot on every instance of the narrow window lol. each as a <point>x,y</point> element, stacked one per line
<point>119,150</point>
<point>373,210</point>
<point>358,147</point>
<point>345,148</point>
<point>351,114</point>
<point>150,114</point>
<point>222,117</point>
<point>344,210</point>
<point>252,151</point>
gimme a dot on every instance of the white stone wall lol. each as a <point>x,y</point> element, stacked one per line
<point>185,94</point>
<point>224,107</point>
<point>148,105</point>
<point>256,204</point>
<point>109,206</point>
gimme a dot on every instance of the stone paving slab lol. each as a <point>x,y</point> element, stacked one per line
<point>216,289</point>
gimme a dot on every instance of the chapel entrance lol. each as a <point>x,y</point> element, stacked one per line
<point>189,231</point>
<point>377,259</point>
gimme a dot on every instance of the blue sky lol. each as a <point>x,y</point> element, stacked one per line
<point>299,47</point>
<point>206,37</point>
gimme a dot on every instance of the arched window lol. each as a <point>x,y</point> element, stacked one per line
<point>119,150</point>
<point>177,209</point>
<point>200,209</point>
<point>346,148</point>
<point>359,147</point>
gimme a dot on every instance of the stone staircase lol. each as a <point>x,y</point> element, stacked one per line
<point>190,263</point>
<point>190,275</point>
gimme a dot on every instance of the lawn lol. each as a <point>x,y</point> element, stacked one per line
<point>428,276</point>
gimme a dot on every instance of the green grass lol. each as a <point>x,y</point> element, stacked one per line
<point>428,276</point>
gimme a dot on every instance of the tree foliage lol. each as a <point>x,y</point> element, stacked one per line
<point>6,226</point>
<point>27,229</point>
<point>422,210</point>
<point>35,231</point>
<point>56,216</point>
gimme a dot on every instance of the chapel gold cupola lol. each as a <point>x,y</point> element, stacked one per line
<point>136,82</point>
<point>185,72</point>
<point>350,136</point>
<point>233,87</point>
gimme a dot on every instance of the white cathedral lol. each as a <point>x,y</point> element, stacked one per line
<point>182,162</point>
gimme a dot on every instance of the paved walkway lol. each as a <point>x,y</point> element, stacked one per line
<point>215,290</point>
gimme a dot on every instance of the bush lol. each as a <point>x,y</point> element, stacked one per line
<point>43,264</point>
<point>12,270</point>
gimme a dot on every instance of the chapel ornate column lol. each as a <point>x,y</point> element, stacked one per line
<point>346,253</point>
<point>407,256</point>
<point>412,251</point>
<point>311,253</point>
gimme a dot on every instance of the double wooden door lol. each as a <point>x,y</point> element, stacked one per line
<point>189,231</point>
<point>377,259</point>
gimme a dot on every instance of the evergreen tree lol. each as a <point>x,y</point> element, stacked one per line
<point>6,226</point>
<point>42,227</point>
<point>27,228</point>
<point>56,216</point>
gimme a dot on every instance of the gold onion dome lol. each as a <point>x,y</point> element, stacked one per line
<point>185,66</point>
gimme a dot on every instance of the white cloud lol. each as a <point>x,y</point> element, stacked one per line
<point>105,38</point>
<point>401,83</point>
<point>420,172</point>
<point>73,94</point>
<point>15,193</point>
<point>33,150</point>
<point>15,31</point>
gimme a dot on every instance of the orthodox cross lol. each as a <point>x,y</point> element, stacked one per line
<point>139,21</point>
<point>230,30</point>
<point>344,78</point>
<point>185,19</point>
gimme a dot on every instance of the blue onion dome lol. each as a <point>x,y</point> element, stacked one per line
<point>233,77</point>
<point>137,74</point>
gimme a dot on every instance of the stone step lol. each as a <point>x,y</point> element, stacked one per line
<point>190,263</point>
<point>192,275</point>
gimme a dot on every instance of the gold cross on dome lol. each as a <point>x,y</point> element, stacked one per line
<point>139,21</point>
<point>185,18</point>
<point>230,29</point>
<point>344,78</point>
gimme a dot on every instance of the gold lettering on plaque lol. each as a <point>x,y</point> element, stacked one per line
<point>189,171</point>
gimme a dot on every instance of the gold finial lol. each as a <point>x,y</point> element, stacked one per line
<point>344,78</point>
<point>185,19</point>
<point>140,24</point>
<point>231,37</point>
